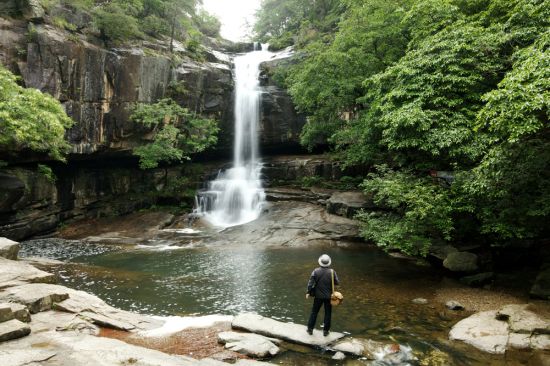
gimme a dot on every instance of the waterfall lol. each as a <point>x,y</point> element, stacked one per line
<point>236,196</point>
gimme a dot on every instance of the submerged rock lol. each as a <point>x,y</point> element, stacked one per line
<point>290,332</point>
<point>389,353</point>
<point>420,301</point>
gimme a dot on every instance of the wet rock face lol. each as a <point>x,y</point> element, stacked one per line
<point>280,123</point>
<point>37,205</point>
<point>99,86</point>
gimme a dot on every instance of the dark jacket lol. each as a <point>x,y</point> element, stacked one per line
<point>321,280</point>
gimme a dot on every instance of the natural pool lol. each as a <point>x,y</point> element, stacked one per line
<point>378,289</point>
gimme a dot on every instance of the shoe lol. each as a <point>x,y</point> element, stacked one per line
<point>310,331</point>
<point>325,332</point>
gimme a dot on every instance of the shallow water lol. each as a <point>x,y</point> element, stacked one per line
<point>378,289</point>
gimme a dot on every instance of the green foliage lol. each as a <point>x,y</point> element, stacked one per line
<point>62,23</point>
<point>30,119</point>
<point>208,24</point>
<point>114,22</point>
<point>520,105</point>
<point>419,216</point>
<point>177,133</point>
<point>47,173</point>
<point>286,22</point>
<point>451,85</point>
<point>310,181</point>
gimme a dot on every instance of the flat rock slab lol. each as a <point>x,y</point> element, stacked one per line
<point>70,349</point>
<point>250,344</point>
<point>483,331</point>
<point>9,249</point>
<point>290,332</point>
<point>13,329</point>
<point>35,296</point>
<point>26,357</point>
<point>14,273</point>
<point>104,321</point>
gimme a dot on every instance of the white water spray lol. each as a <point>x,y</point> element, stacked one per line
<point>236,196</point>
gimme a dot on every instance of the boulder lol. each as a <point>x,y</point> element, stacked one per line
<point>347,204</point>
<point>294,333</point>
<point>9,248</point>
<point>14,273</point>
<point>252,345</point>
<point>461,262</point>
<point>512,326</point>
<point>442,251</point>
<point>13,329</point>
<point>541,287</point>
<point>483,331</point>
<point>339,356</point>
<point>478,280</point>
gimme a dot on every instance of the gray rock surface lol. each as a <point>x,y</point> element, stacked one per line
<point>14,273</point>
<point>347,204</point>
<point>13,329</point>
<point>36,297</point>
<point>9,248</point>
<point>290,332</point>
<point>250,344</point>
<point>522,320</point>
<point>339,356</point>
<point>25,357</point>
<point>461,262</point>
<point>512,326</point>
<point>483,331</point>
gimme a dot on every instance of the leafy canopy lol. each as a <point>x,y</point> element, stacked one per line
<point>30,119</point>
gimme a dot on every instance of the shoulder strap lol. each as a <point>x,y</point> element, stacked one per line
<point>332,275</point>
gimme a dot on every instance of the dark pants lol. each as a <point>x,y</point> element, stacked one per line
<point>317,303</point>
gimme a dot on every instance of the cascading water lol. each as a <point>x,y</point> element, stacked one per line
<point>236,196</point>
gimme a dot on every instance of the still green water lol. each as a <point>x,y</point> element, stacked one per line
<point>378,289</point>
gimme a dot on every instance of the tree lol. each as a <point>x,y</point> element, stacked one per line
<point>177,133</point>
<point>31,120</point>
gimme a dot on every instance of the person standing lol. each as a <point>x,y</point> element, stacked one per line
<point>320,286</point>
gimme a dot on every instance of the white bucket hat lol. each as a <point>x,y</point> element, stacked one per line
<point>324,260</point>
